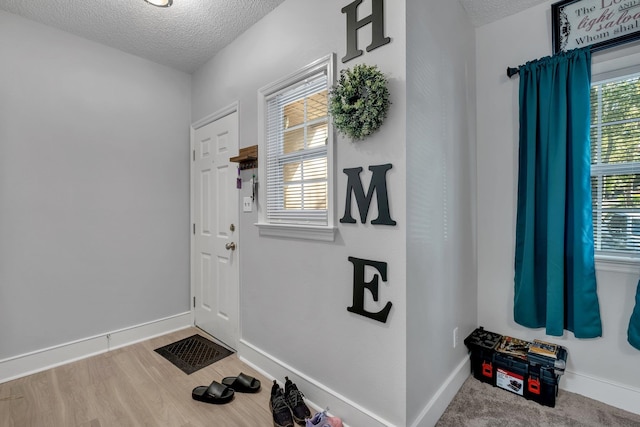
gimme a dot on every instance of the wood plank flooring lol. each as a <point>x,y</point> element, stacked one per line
<point>131,386</point>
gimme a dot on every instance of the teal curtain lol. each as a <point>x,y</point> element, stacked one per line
<point>633,332</point>
<point>555,282</point>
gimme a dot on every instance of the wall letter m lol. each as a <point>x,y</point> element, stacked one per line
<point>378,185</point>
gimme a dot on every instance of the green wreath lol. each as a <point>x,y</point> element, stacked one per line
<point>360,101</point>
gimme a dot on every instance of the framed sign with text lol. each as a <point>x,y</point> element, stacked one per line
<point>596,23</point>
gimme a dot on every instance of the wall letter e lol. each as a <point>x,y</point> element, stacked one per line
<point>359,286</point>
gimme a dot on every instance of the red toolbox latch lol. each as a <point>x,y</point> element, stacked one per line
<point>487,369</point>
<point>534,385</point>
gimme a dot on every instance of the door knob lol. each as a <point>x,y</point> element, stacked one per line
<point>230,246</point>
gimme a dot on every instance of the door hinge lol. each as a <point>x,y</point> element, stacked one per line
<point>194,302</point>
<point>194,155</point>
<point>194,228</point>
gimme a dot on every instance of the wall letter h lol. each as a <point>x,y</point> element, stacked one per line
<point>376,19</point>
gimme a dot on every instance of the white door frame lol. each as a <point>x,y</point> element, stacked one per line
<point>230,109</point>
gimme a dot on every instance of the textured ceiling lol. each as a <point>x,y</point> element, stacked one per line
<point>183,36</point>
<point>187,34</point>
<point>482,12</point>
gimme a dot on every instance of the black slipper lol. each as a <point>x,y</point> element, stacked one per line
<point>242,383</point>
<point>216,393</point>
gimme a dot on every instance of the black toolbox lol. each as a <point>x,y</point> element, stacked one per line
<point>482,345</point>
<point>507,363</point>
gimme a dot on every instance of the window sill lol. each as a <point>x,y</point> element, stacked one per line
<point>302,232</point>
<point>618,264</point>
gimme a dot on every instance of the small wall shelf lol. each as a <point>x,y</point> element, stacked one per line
<point>248,157</point>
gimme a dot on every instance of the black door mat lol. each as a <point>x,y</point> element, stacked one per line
<point>193,353</point>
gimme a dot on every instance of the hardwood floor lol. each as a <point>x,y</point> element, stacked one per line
<point>131,386</point>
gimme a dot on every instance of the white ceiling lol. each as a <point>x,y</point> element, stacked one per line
<point>183,36</point>
<point>187,34</point>
<point>482,12</point>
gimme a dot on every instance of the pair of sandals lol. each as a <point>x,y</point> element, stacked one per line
<point>217,393</point>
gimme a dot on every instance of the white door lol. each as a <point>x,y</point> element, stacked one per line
<point>214,264</point>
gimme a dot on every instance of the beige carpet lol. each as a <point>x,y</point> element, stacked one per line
<point>478,404</point>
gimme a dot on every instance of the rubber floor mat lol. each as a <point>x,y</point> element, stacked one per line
<point>193,353</point>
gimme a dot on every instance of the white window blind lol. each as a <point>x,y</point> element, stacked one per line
<point>297,134</point>
<point>615,165</point>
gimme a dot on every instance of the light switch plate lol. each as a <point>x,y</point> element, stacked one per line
<point>247,204</point>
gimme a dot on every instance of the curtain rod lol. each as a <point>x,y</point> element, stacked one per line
<point>511,71</point>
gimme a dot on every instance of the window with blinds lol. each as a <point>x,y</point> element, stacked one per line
<point>297,168</point>
<point>615,165</point>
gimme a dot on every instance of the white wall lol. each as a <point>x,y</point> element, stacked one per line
<point>94,188</point>
<point>604,368</point>
<point>299,322</point>
<point>441,264</point>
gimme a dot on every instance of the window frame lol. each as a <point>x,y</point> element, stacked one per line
<point>297,230</point>
<point>602,73</point>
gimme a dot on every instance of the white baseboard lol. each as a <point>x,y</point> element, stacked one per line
<point>613,394</point>
<point>352,413</point>
<point>40,360</point>
<point>434,409</point>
